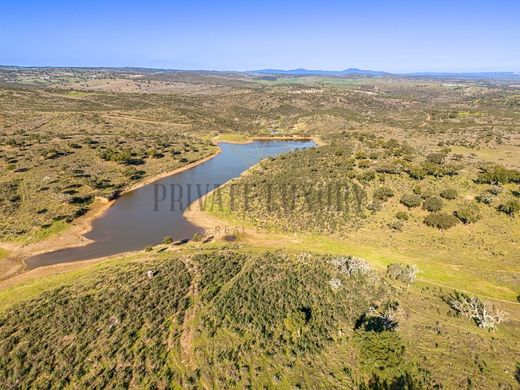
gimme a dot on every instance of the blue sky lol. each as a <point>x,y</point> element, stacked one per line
<point>396,36</point>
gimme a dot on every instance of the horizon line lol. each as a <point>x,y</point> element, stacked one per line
<point>416,72</point>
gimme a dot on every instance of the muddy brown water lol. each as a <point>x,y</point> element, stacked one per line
<point>146,215</point>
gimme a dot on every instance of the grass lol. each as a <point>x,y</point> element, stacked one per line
<point>228,312</point>
<point>233,137</point>
<point>29,289</point>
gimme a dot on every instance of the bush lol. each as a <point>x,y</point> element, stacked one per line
<point>433,204</point>
<point>485,198</point>
<point>383,194</point>
<point>510,208</point>
<point>496,174</point>
<point>449,193</point>
<point>416,172</point>
<point>402,272</point>
<point>468,214</point>
<point>380,319</point>
<point>436,158</point>
<point>441,221</point>
<point>167,240</point>
<point>391,168</point>
<point>366,176</point>
<point>396,225</point>
<point>402,215</point>
<point>410,200</point>
<point>438,170</point>
<point>496,190</point>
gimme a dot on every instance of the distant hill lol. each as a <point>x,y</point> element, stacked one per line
<point>375,73</point>
<point>310,72</point>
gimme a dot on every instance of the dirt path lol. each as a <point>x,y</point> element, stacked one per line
<point>189,326</point>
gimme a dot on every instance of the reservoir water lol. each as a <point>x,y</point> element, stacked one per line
<point>145,216</point>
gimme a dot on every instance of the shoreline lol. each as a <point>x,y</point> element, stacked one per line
<point>74,235</point>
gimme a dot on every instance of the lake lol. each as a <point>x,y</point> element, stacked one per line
<point>144,216</point>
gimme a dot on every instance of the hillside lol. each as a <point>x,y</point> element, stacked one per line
<point>234,316</point>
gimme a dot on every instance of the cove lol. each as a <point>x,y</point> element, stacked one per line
<point>144,216</point>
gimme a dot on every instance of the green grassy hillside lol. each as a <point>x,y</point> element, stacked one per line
<point>240,317</point>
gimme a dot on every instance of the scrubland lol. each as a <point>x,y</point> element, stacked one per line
<point>410,280</point>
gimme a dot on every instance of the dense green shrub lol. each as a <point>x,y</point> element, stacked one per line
<point>494,174</point>
<point>416,172</point>
<point>438,170</point>
<point>433,204</point>
<point>449,193</point>
<point>410,200</point>
<point>441,221</point>
<point>469,213</point>
<point>383,194</point>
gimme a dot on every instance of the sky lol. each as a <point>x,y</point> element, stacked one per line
<point>393,36</point>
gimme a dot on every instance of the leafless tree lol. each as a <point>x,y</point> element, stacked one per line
<point>485,315</point>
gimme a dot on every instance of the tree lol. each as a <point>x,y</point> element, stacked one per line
<point>402,272</point>
<point>484,314</point>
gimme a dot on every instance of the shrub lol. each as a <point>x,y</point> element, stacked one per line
<point>484,314</point>
<point>441,221</point>
<point>436,158</point>
<point>380,319</point>
<point>410,200</point>
<point>495,190</point>
<point>438,170</point>
<point>375,206</point>
<point>433,204</point>
<point>469,213</point>
<point>485,198</point>
<point>402,272</point>
<point>167,240</point>
<point>495,174</point>
<point>391,168</point>
<point>383,194</point>
<point>510,208</point>
<point>396,225</point>
<point>363,164</point>
<point>366,176</point>
<point>198,237</point>
<point>449,193</point>
<point>402,215</point>
<point>416,172</point>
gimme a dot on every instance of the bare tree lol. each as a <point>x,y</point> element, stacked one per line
<point>485,315</point>
<point>403,272</point>
<point>350,265</point>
